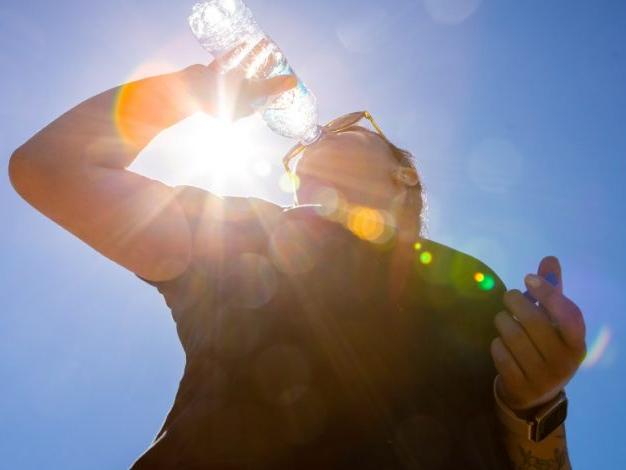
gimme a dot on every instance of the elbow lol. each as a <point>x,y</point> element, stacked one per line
<point>25,172</point>
<point>18,172</point>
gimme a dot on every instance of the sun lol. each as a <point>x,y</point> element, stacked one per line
<point>211,153</point>
<point>215,146</point>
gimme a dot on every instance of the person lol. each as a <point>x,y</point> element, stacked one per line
<point>329,334</point>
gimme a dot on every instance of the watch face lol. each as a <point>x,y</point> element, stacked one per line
<point>551,421</point>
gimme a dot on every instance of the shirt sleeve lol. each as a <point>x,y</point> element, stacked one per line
<point>221,228</point>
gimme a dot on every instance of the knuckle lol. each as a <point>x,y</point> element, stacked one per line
<point>531,319</point>
<point>515,293</point>
<point>500,317</point>
<point>501,326</point>
<point>505,365</point>
<point>496,347</point>
<point>499,352</point>
<point>510,296</point>
<point>195,68</point>
<point>578,317</point>
<point>554,299</point>
<point>505,369</point>
<point>514,333</point>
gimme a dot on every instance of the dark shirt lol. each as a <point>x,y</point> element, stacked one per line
<point>296,358</point>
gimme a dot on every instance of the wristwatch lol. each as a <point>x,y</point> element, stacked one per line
<point>540,424</point>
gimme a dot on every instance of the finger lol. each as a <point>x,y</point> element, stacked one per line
<point>196,70</point>
<point>273,86</point>
<point>199,79</point>
<point>215,66</point>
<point>548,266</point>
<point>234,58</point>
<point>564,313</point>
<point>506,366</point>
<point>246,59</point>
<point>261,60</point>
<point>536,324</point>
<point>521,347</point>
<point>550,270</point>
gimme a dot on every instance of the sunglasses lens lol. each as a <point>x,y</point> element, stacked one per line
<point>345,121</point>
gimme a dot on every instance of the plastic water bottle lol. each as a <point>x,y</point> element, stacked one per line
<point>228,26</point>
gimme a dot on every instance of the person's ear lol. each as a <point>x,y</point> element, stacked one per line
<point>405,175</point>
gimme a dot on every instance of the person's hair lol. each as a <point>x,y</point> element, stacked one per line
<point>417,195</point>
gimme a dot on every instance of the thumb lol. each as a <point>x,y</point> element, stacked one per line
<point>564,314</point>
<point>550,267</point>
<point>272,86</point>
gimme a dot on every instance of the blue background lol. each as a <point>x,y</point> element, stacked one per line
<point>516,112</point>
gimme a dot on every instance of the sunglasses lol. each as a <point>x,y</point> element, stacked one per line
<point>333,127</point>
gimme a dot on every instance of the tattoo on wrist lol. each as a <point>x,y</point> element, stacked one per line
<point>529,461</point>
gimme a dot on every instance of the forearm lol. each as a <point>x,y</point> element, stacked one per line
<point>110,129</point>
<point>74,172</point>
<point>549,454</point>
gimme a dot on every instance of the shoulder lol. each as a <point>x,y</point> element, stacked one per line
<point>463,275</point>
<point>461,292</point>
<point>201,205</point>
<point>217,222</point>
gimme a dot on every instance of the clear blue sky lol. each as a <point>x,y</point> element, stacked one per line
<point>516,112</point>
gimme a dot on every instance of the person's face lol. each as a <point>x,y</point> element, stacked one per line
<point>356,163</point>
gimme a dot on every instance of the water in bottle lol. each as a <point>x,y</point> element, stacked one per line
<point>228,26</point>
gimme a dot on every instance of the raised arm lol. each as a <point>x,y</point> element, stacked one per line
<point>74,171</point>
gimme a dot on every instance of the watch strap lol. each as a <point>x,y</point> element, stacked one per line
<point>507,417</point>
<point>549,417</point>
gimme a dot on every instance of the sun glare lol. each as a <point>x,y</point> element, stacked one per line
<point>216,145</point>
<point>207,152</point>
<point>220,152</point>
<point>202,150</point>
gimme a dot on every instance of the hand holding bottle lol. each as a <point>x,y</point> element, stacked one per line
<point>230,94</point>
<point>242,84</point>
<point>227,29</point>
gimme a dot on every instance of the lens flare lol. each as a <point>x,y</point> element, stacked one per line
<point>485,281</point>
<point>598,348</point>
<point>141,104</point>
<point>332,205</point>
<point>451,11</point>
<point>417,246</point>
<point>426,257</point>
<point>366,223</point>
<point>125,107</point>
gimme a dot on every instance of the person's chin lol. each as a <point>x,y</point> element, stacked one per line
<point>311,188</point>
